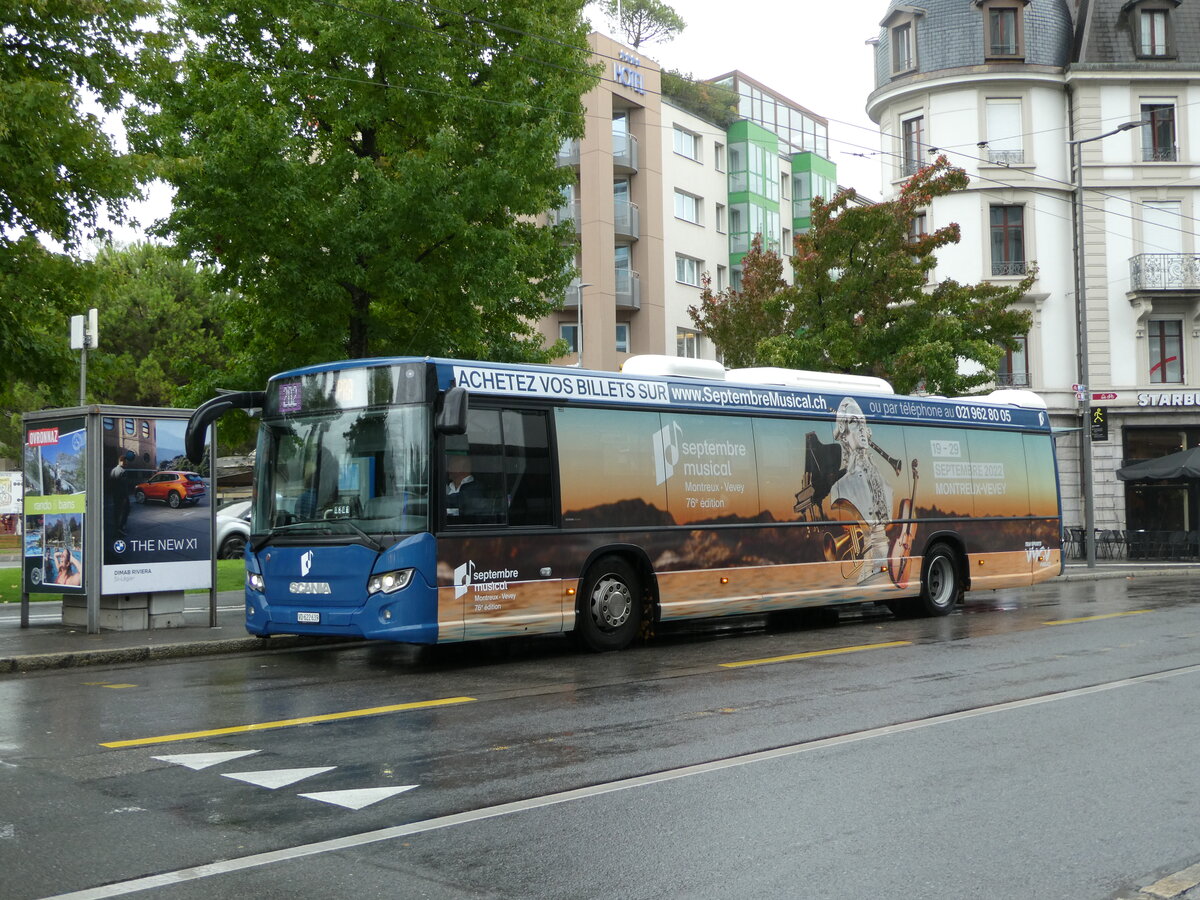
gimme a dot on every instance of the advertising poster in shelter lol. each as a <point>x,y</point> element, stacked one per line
<point>11,493</point>
<point>55,504</point>
<point>157,508</point>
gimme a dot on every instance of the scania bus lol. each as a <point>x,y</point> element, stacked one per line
<point>434,500</point>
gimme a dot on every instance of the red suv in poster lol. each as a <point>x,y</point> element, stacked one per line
<point>176,489</point>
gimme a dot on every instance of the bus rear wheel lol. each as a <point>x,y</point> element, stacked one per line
<point>610,606</point>
<point>941,584</point>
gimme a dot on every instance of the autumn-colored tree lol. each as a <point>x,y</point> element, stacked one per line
<point>861,302</point>
<point>736,321</point>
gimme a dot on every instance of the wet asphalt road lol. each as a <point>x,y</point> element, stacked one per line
<point>1039,744</point>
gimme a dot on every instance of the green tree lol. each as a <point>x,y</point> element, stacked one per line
<point>643,21</point>
<point>860,302</point>
<point>737,321</point>
<point>161,331</point>
<point>709,101</point>
<point>368,177</point>
<point>59,170</point>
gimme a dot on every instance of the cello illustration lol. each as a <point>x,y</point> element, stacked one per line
<point>900,559</point>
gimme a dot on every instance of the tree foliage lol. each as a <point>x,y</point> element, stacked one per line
<point>369,176</point>
<point>643,21</point>
<point>59,169</point>
<point>161,336</point>
<point>860,302</point>
<point>713,102</point>
<point>737,321</point>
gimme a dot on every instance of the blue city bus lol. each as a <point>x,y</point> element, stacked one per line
<point>437,500</point>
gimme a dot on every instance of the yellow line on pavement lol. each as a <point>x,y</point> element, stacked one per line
<point>813,653</point>
<point>287,723</point>
<point>1135,612</point>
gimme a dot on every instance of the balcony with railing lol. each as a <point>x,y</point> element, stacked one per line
<point>625,153</point>
<point>626,220</point>
<point>568,153</point>
<point>1009,267</point>
<point>628,289</point>
<point>1006,157</point>
<point>569,211</point>
<point>574,292</point>
<point>1165,272</point>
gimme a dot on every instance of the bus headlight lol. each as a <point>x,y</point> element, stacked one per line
<point>389,582</point>
<point>254,581</point>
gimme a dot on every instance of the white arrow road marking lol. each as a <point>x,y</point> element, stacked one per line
<point>277,778</point>
<point>199,761</point>
<point>357,799</point>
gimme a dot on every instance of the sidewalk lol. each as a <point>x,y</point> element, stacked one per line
<point>48,644</point>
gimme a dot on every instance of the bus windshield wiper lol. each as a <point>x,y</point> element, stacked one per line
<point>324,526</point>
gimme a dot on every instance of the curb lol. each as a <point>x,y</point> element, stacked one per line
<point>70,659</point>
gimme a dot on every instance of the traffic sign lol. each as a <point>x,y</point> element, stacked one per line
<point>1079,388</point>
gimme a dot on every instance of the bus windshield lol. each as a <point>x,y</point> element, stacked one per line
<point>351,472</point>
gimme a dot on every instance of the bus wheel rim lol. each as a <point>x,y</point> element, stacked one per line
<point>612,603</point>
<point>940,582</point>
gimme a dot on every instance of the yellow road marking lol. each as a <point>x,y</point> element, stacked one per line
<point>117,686</point>
<point>813,653</point>
<point>287,723</point>
<point>1136,612</point>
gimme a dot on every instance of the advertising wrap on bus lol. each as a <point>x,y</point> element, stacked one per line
<point>601,503</point>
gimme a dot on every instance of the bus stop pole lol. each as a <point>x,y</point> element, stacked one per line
<point>212,528</point>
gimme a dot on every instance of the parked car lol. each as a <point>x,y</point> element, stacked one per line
<point>176,489</point>
<point>233,529</point>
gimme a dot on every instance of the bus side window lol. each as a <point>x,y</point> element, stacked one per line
<point>527,467</point>
<point>474,465</point>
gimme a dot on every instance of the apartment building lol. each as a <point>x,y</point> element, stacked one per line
<point>665,198</point>
<point>1036,98</point>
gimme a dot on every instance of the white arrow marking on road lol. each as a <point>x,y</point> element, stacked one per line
<point>277,778</point>
<point>359,798</point>
<point>199,761</point>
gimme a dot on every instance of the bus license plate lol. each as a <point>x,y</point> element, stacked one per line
<point>309,617</point>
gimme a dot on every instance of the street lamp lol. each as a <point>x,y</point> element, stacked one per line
<point>1081,343</point>
<point>579,323</point>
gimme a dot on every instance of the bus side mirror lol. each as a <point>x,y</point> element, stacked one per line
<point>452,417</point>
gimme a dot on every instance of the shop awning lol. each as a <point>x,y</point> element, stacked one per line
<point>1183,464</point>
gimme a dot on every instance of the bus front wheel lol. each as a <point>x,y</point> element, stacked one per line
<point>610,608</point>
<point>941,584</point>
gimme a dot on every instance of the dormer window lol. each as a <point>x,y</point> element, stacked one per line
<point>901,25</point>
<point>1004,28</point>
<point>1150,26</point>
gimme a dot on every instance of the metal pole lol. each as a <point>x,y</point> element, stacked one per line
<point>579,325</point>
<point>83,373</point>
<point>1081,341</point>
<point>212,528</point>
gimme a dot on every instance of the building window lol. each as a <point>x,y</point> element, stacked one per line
<point>569,332</point>
<point>687,270</point>
<point>917,228</point>
<point>1158,134</point>
<point>687,343</point>
<point>687,144</point>
<point>720,217</point>
<point>1166,350</point>
<point>912,144</point>
<point>129,427</point>
<point>787,249</point>
<point>145,428</point>
<point>903,55</point>
<point>784,178</point>
<point>1013,370</point>
<point>1153,35</point>
<point>622,337</point>
<point>722,278</point>
<point>687,207</point>
<point>719,157</point>
<point>1005,142</point>
<point>1008,240</point>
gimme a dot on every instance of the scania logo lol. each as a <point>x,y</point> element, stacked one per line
<point>306,563</point>
<point>310,587</point>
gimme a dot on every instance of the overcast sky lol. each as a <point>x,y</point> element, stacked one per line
<point>814,54</point>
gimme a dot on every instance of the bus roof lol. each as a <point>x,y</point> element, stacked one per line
<point>1007,410</point>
